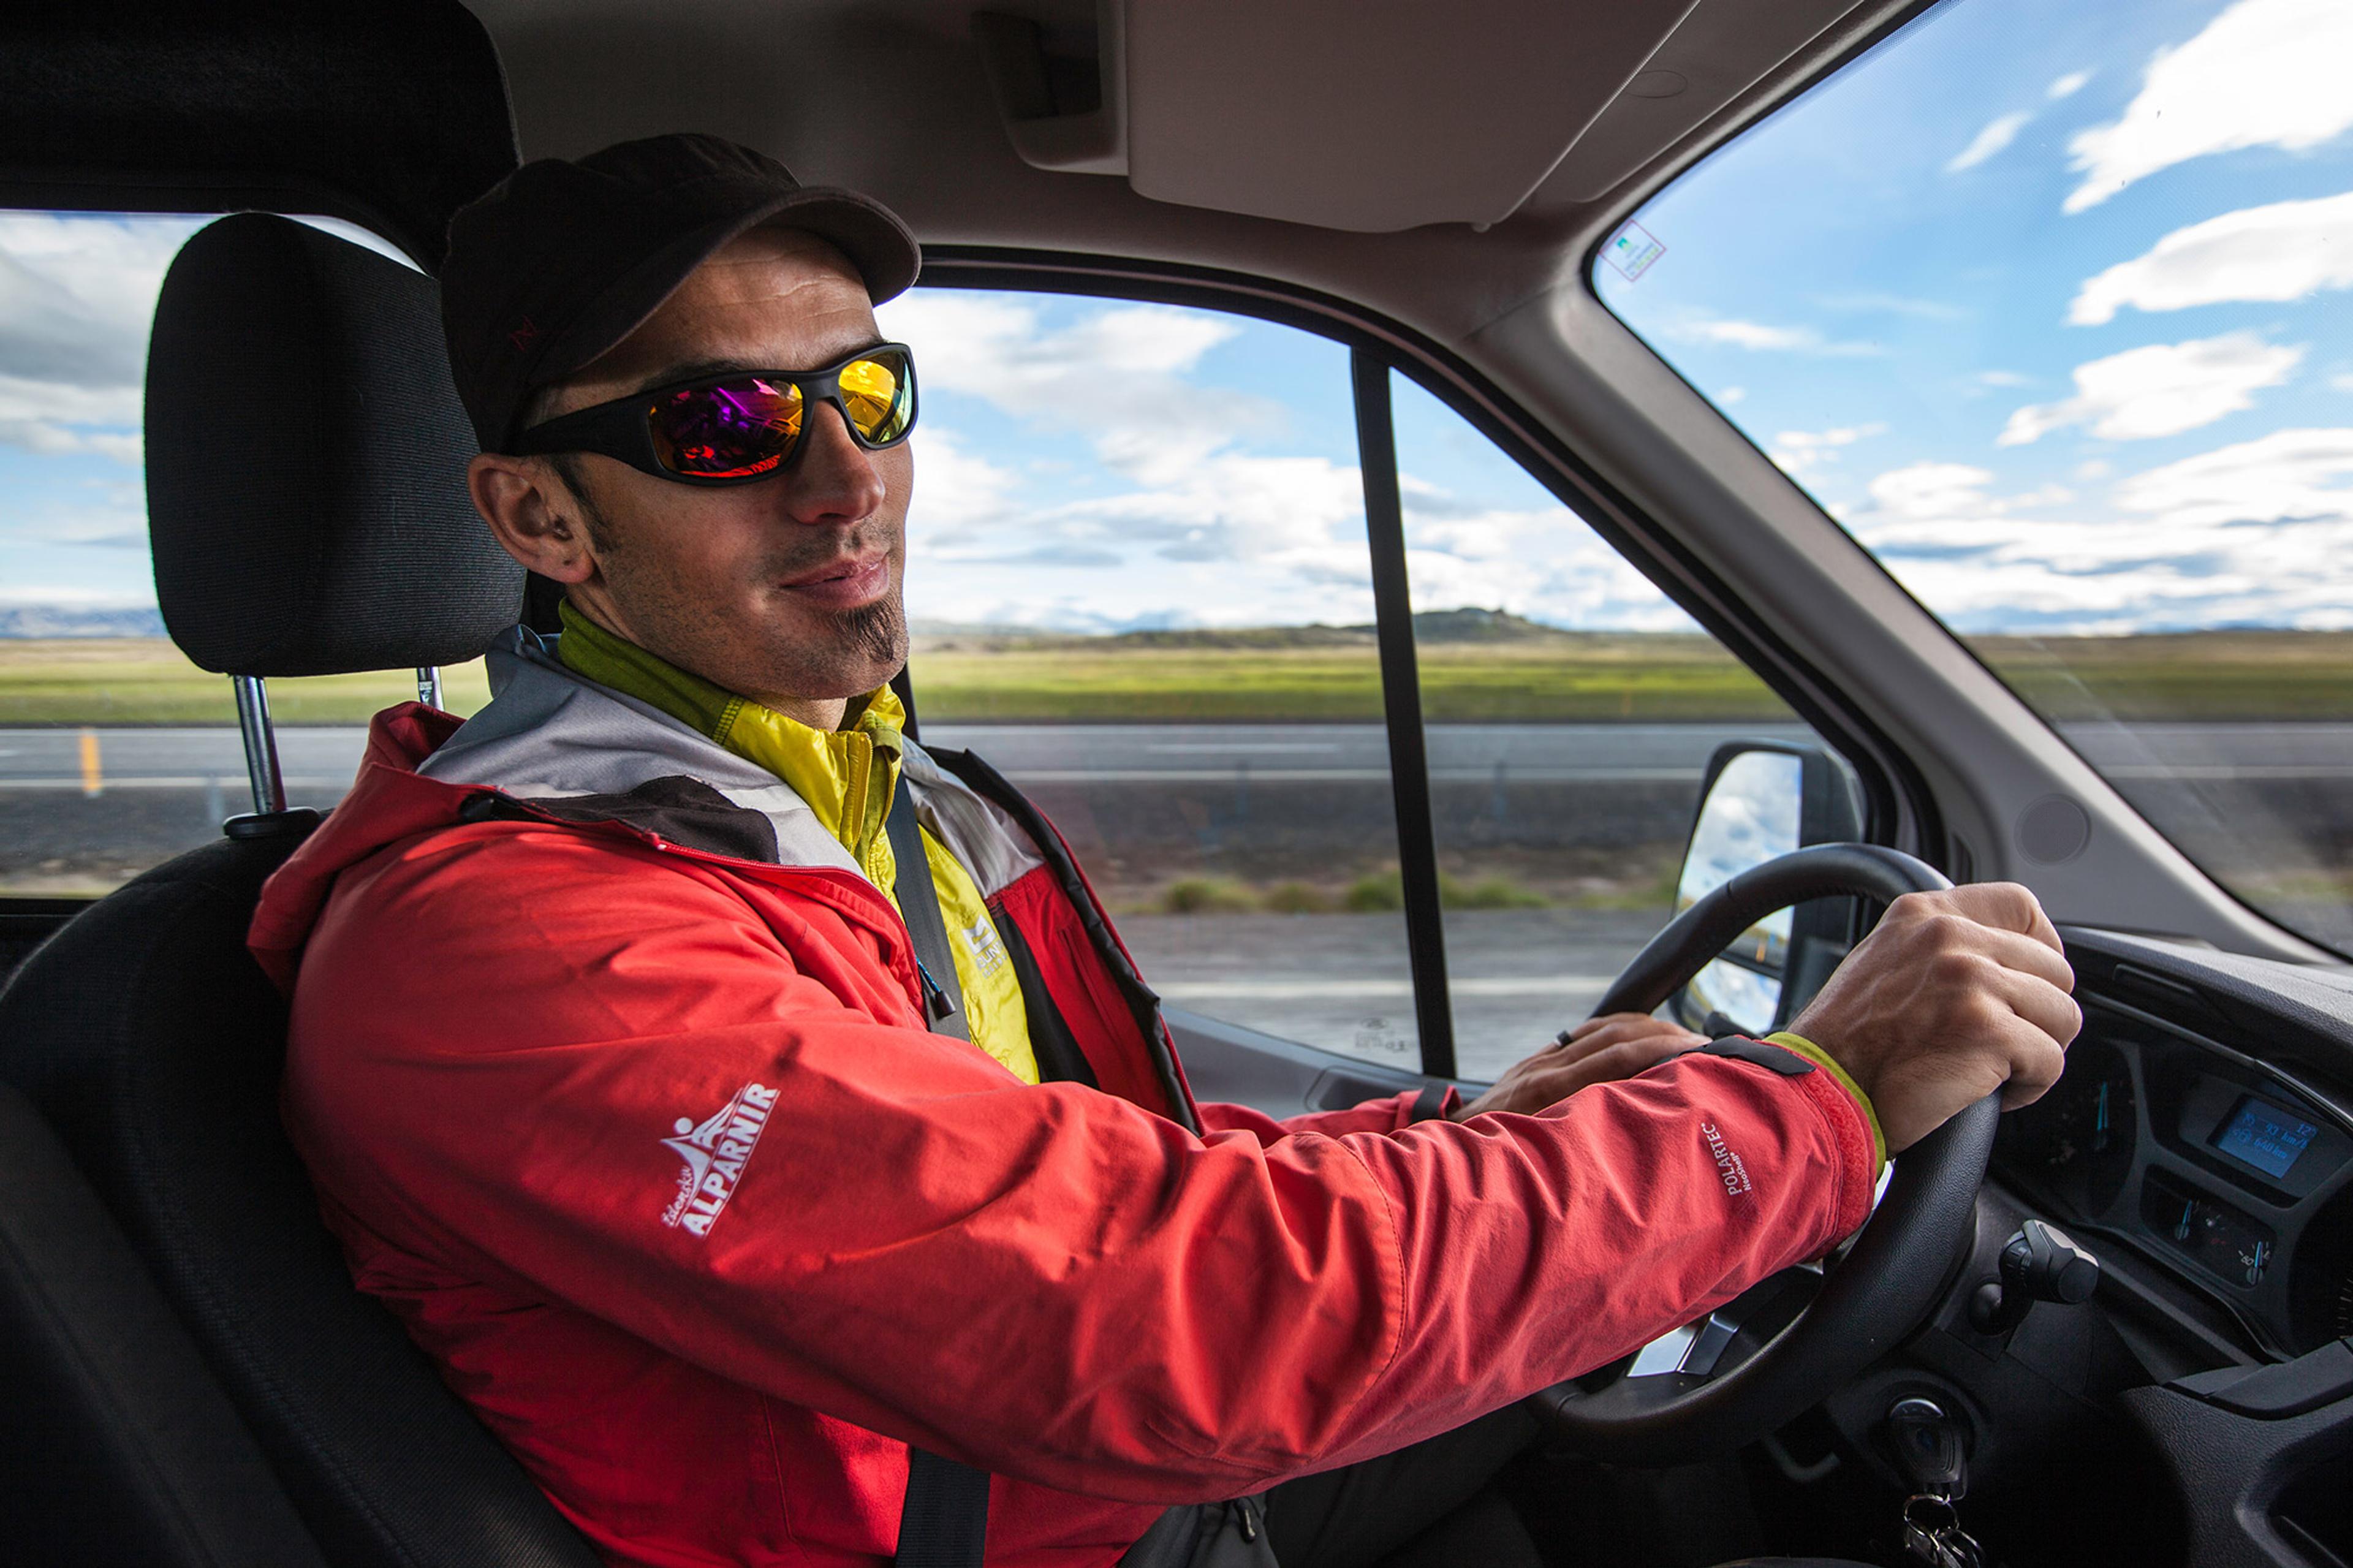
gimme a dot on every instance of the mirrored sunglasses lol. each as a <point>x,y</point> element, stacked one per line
<point>741,427</point>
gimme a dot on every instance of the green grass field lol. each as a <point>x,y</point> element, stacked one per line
<point>146,680</point>
<point>1295,676</point>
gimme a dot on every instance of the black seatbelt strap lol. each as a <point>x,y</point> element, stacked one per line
<point>944,1520</point>
<point>919,906</point>
<point>944,1523</point>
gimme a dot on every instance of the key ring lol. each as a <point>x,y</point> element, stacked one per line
<point>1933,1533</point>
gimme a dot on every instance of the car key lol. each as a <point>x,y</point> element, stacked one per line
<point>1930,1450</point>
<point>1933,1536</point>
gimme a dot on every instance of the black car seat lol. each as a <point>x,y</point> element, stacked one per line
<point>306,496</point>
<point>116,1446</point>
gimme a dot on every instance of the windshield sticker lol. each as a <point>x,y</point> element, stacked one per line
<point>1632,250</point>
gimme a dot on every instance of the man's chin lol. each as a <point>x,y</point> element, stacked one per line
<point>848,653</point>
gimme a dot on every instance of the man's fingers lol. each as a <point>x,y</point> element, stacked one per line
<point>2027,1022</point>
<point>1618,1021</point>
<point>1559,1078</point>
<point>2017,951</point>
<point>2036,1060</point>
<point>1618,1028</point>
<point>2006,906</point>
<point>2055,1017</point>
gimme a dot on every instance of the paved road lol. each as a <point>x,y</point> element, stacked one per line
<point>324,758</point>
<point>1146,802</point>
<point>1341,982</point>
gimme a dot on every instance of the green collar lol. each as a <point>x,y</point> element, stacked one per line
<point>835,771</point>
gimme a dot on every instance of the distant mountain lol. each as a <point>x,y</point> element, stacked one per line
<point>1459,626</point>
<point>1247,637</point>
<point>1468,625</point>
<point>80,621</point>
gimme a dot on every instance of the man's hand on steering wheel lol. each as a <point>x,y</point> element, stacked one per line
<point>1953,995</point>
<point>1599,1050</point>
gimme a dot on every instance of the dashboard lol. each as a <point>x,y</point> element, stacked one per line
<point>2180,1131</point>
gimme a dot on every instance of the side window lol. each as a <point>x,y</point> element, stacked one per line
<point>1142,584</point>
<point>1139,584</point>
<point>116,752</point>
<point>1570,708</point>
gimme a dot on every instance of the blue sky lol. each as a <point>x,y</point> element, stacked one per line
<point>2051,305</point>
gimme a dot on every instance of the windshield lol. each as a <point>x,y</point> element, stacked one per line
<point>2051,308</point>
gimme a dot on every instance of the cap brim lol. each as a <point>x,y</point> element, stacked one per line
<point>868,232</point>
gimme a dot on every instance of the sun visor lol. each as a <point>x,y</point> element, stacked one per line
<point>1366,115</point>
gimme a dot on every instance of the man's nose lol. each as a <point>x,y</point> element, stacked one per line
<point>832,479</point>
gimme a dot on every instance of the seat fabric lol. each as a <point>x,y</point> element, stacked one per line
<point>146,1035</point>
<point>116,1445</point>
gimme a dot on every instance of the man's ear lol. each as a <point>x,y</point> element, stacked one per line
<point>533,514</point>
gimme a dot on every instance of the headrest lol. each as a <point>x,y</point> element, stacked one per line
<point>306,462</point>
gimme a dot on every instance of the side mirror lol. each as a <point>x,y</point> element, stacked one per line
<point>1763,799</point>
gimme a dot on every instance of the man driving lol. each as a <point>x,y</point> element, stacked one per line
<point>755,1116</point>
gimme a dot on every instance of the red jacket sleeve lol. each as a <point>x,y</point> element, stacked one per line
<point>501,1036</point>
<point>1385,1114</point>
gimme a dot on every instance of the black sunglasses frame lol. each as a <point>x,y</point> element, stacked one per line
<point>623,429</point>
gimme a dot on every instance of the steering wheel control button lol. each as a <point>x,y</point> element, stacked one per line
<point>2324,1376</point>
<point>2040,1263</point>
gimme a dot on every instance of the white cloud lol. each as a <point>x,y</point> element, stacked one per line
<point>1999,133</point>
<point>1985,563</point>
<point>2227,537</point>
<point>2160,390</point>
<point>1177,505</point>
<point>958,496</point>
<point>2264,73</point>
<point>1761,336</point>
<point>1930,490</point>
<point>1748,335</point>
<point>47,438</point>
<point>1188,514</point>
<point>1893,305</point>
<point>76,296</point>
<point>1731,394</point>
<point>2301,474</point>
<point>68,404</point>
<point>2282,251</point>
<point>1794,452</point>
<point>1116,376</point>
<point>2067,86</point>
<point>73,595</point>
<point>1542,563</point>
<point>2342,383</point>
<point>2004,378</point>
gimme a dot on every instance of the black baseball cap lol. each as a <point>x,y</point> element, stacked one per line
<point>563,258</point>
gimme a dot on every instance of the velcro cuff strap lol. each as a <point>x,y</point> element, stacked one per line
<point>1774,1058</point>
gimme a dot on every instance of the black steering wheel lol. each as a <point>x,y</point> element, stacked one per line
<point>1872,1297</point>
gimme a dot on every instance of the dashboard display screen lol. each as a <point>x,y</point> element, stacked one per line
<point>2264,1136</point>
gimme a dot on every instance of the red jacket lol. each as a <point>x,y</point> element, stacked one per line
<point>650,1150</point>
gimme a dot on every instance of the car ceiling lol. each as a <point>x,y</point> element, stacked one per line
<point>1442,165</point>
